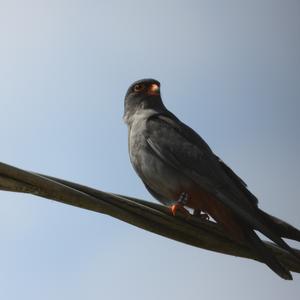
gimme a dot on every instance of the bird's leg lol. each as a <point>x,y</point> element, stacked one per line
<point>180,203</point>
<point>202,216</point>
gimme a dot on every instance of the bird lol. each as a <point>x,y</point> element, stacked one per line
<point>181,171</point>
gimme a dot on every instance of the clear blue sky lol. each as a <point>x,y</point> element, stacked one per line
<point>230,69</point>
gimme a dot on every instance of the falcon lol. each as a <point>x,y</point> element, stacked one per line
<point>180,170</point>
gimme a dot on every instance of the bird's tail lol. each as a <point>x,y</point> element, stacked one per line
<point>275,229</point>
<point>282,228</point>
<point>265,254</point>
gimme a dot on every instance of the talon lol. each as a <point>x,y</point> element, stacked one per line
<point>198,213</point>
<point>179,207</point>
<point>204,217</point>
<point>173,209</point>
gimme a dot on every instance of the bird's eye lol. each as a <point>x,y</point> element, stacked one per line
<point>138,87</point>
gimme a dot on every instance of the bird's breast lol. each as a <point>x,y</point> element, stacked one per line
<point>158,175</point>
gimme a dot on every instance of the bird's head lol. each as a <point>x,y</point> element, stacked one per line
<point>142,94</point>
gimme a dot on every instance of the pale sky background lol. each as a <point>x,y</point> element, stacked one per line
<point>229,69</point>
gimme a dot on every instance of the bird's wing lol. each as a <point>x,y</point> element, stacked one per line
<point>193,137</point>
<point>182,148</point>
<point>238,181</point>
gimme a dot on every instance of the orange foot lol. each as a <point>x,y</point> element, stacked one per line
<point>179,207</point>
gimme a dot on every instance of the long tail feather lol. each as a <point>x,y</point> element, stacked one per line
<point>282,228</point>
<point>262,251</point>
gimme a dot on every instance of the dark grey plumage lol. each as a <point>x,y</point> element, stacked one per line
<point>171,158</point>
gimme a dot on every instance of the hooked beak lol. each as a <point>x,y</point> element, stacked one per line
<point>153,90</point>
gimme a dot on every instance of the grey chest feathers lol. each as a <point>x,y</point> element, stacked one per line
<point>162,180</point>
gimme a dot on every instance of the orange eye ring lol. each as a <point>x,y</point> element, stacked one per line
<point>138,87</point>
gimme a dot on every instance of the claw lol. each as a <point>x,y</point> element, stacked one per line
<point>198,213</point>
<point>179,207</point>
<point>204,217</point>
